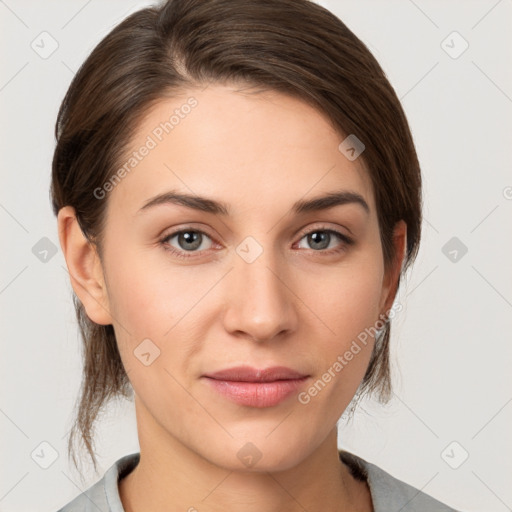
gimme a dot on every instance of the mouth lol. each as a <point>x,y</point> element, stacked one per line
<point>254,387</point>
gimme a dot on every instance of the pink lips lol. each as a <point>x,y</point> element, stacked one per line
<point>256,388</point>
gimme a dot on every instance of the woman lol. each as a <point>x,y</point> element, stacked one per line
<point>238,195</point>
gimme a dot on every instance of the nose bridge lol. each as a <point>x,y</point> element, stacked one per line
<point>259,302</point>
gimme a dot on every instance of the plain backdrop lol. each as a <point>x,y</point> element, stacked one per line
<point>445,431</point>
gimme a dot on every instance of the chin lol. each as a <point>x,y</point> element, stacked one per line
<point>259,454</point>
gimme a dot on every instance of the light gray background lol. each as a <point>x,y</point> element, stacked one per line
<point>451,344</point>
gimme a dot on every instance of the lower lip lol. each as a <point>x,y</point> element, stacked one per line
<point>257,394</point>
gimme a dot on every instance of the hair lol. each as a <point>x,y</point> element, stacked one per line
<point>295,47</point>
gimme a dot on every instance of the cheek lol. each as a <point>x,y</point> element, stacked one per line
<point>152,299</point>
<point>347,302</point>
<point>347,299</point>
<point>148,296</point>
<point>150,305</point>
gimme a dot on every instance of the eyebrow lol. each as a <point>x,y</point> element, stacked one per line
<point>208,205</point>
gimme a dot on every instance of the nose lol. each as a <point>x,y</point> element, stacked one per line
<point>259,298</point>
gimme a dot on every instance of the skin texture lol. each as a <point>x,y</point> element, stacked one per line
<point>295,305</point>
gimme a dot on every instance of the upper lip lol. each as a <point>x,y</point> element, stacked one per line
<point>250,374</point>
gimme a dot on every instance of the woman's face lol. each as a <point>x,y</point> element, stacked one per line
<point>244,287</point>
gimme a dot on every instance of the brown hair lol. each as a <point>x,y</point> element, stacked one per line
<point>291,46</point>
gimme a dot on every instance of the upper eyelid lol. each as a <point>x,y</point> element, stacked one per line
<point>306,231</point>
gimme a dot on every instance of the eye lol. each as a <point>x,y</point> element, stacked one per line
<point>188,240</point>
<point>320,239</point>
<point>192,241</point>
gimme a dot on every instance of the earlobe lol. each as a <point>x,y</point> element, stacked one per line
<point>84,266</point>
<point>390,285</point>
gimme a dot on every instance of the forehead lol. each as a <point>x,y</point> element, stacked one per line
<point>253,151</point>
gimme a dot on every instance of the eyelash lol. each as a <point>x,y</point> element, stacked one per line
<point>346,241</point>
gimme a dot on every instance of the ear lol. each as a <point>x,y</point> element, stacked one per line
<point>390,282</point>
<point>84,266</point>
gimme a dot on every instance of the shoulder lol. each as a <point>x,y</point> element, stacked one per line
<point>103,496</point>
<point>390,493</point>
<point>92,499</point>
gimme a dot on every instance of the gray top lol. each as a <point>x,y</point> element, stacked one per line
<point>388,493</point>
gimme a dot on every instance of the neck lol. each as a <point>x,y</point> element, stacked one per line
<point>181,479</point>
